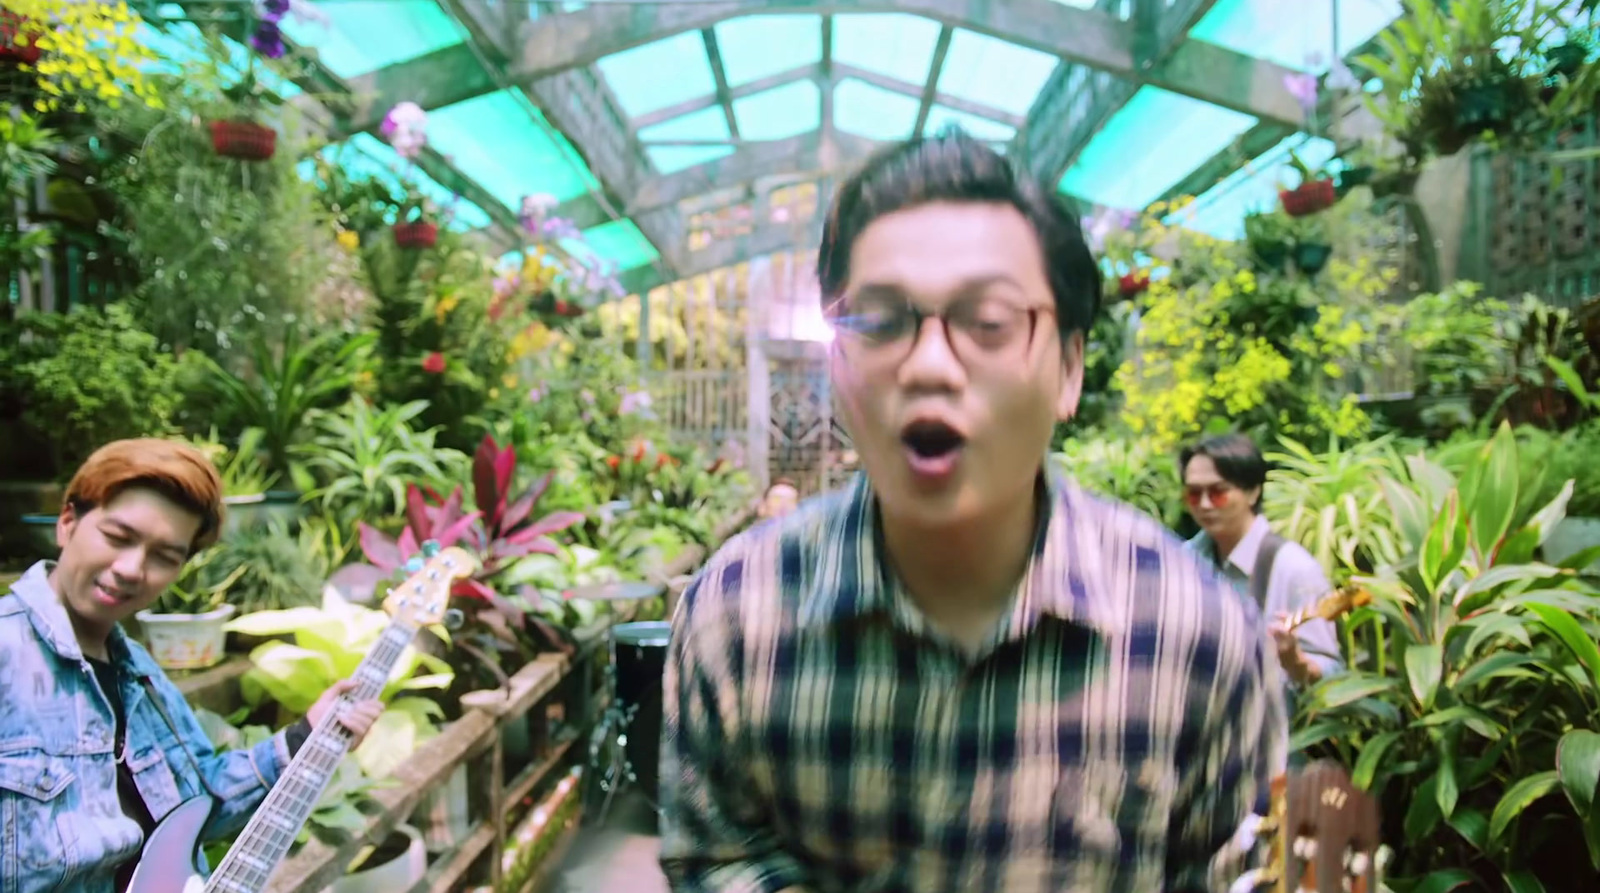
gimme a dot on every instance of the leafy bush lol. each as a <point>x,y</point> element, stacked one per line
<point>86,378</point>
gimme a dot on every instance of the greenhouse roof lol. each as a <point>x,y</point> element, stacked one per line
<point>642,118</point>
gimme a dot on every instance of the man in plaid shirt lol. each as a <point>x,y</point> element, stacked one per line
<point>962,673</point>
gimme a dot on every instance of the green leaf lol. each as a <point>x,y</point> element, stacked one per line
<point>1473,826</point>
<point>1495,501</point>
<point>1446,880</point>
<point>1522,881</point>
<point>1580,559</point>
<point>1351,687</point>
<point>1409,512</point>
<point>1370,758</point>
<point>1578,764</point>
<point>1482,589</point>
<point>1545,519</point>
<point>1446,790</point>
<point>1491,667</point>
<point>1521,794</point>
<point>1422,816</point>
<point>1471,717</point>
<point>1573,636</point>
<point>1446,543</point>
<point>1424,666</point>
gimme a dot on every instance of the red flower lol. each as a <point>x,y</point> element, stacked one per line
<point>1134,283</point>
<point>661,460</point>
<point>613,462</point>
<point>638,453</point>
<point>433,363</point>
<point>561,308</point>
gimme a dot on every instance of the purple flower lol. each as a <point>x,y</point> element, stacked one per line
<point>273,10</point>
<point>1303,87</point>
<point>268,40</point>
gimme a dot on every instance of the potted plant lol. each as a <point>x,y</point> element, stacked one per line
<point>18,42</point>
<point>406,129</point>
<point>1312,249</point>
<point>186,628</point>
<point>1132,284</point>
<point>1268,234</point>
<point>1316,192</point>
<point>241,136</point>
<point>415,230</point>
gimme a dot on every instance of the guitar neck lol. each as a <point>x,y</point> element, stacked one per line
<point>272,830</point>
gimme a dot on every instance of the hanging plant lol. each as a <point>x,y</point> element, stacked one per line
<point>19,39</point>
<point>416,234</point>
<point>1133,284</point>
<point>243,136</point>
<point>1268,236</point>
<point>405,127</point>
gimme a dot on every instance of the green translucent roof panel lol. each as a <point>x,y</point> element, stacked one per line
<point>501,141</point>
<point>940,117</point>
<point>706,124</point>
<point>365,35</point>
<point>1221,210</point>
<point>873,112</point>
<point>660,74</point>
<point>1294,33</point>
<point>755,47</point>
<point>619,242</point>
<point>364,156</point>
<point>779,113</point>
<point>1152,143</point>
<point>181,43</point>
<point>996,73</point>
<point>893,44</point>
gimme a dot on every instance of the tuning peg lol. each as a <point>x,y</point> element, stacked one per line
<point>414,564</point>
<point>453,619</point>
<point>430,548</point>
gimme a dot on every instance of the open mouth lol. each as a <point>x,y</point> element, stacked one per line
<point>932,448</point>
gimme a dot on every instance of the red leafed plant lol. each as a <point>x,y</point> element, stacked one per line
<point>501,529</point>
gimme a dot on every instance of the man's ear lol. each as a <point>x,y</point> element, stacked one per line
<point>1071,376</point>
<point>66,523</point>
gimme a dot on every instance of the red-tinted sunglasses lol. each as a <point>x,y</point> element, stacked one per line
<point>1221,494</point>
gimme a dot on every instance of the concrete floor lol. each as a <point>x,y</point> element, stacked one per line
<point>618,856</point>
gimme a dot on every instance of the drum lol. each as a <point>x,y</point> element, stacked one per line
<point>639,651</point>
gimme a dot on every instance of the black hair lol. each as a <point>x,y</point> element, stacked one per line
<point>955,167</point>
<point>1238,460</point>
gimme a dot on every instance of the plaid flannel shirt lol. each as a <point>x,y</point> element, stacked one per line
<point>1111,736</point>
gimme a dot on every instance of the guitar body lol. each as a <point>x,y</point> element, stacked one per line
<point>168,861</point>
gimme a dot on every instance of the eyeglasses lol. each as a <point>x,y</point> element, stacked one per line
<point>977,330</point>
<point>1220,494</point>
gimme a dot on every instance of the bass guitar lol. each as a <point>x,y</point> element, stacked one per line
<point>169,861</point>
<point>1321,832</point>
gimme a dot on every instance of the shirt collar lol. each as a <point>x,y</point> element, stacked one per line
<point>1244,554</point>
<point>54,627</point>
<point>1065,577</point>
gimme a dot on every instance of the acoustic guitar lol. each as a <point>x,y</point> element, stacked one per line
<point>169,861</point>
<point>1321,831</point>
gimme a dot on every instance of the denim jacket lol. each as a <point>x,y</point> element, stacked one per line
<point>61,825</point>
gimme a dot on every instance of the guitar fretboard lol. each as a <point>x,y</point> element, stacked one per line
<point>272,830</point>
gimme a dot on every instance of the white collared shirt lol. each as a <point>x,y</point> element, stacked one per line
<point>1297,581</point>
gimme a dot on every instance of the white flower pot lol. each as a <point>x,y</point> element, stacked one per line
<point>399,872</point>
<point>186,641</point>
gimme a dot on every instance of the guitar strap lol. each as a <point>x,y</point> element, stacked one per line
<point>1261,575</point>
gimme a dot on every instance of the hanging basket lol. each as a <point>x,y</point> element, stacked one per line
<point>1133,284</point>
<point>244,140</point>
<point>416,234</point>
<point>1312,257</point>
<point>1309,198</point>
<point>11,52</point>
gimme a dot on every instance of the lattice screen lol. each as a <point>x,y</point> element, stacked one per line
<point>1541,214</point>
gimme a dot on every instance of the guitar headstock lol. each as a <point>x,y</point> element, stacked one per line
<point>1334,605</point>
<point>1324,833</point>
<point>424,597</point>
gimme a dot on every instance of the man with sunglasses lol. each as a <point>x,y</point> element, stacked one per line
<point>1223,480</point>
<point>962,672</point>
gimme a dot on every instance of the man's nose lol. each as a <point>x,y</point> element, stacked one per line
<point>932,363</point>
<point>129,565</point>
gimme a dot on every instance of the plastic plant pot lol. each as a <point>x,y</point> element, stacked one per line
<point>244,140</point>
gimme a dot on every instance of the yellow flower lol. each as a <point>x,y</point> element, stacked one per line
<point>349,240</point>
